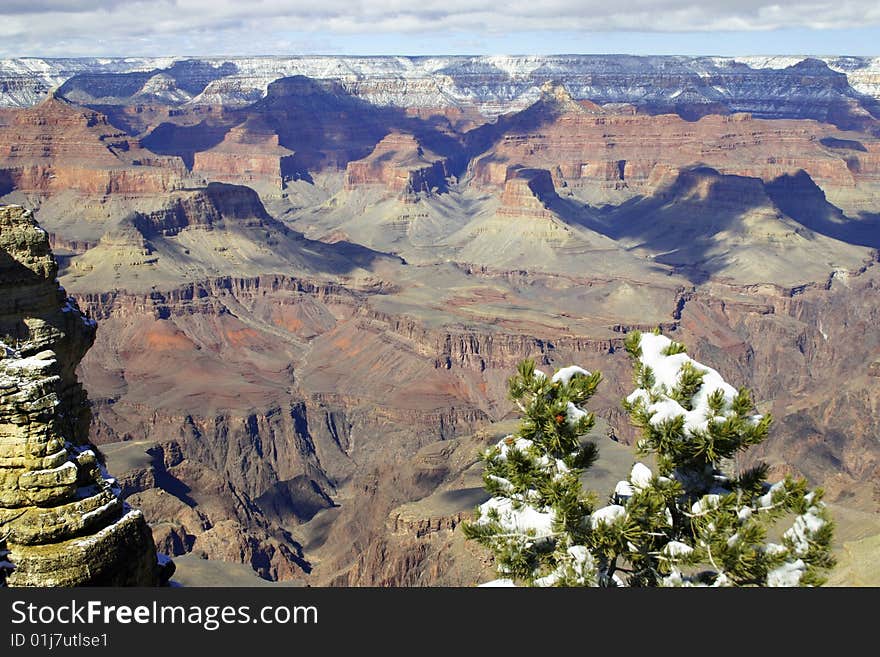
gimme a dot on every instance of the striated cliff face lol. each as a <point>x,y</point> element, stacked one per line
<point>401,165</point>
<point>608,155</point>
<point>57,146</point>
<point>527,192</point>
<point>62,521</point>
<point>279,411</point>
<point>249,154</point>
<point>841,90</point>
<point>809,350</point>
<point>282,422</point>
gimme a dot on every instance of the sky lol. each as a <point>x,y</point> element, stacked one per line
<point>74,28</point>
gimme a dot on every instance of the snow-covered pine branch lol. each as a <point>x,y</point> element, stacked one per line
<point>536,522</point>
<point>712,525</point>
<point>690,523</point>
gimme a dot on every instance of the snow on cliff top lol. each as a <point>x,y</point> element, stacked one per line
<point>495,82</point>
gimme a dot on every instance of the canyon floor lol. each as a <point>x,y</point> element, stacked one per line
<point>308,305</point>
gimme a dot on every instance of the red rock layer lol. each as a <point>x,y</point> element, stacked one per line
<point>527,192</point>
<point>248,154</point>
<point>56,146</point>
<point>627,150</point>
<point>401,164</point>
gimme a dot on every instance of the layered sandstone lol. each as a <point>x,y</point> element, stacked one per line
<point>611,154</point>
<point>528,192</point>
<point>62,520</point>
<point>323,125</point>
<point>57,146</point>
<point>401,165</point>
<point>201,233</point>
<point>302,128</point>
<point>249,154</point>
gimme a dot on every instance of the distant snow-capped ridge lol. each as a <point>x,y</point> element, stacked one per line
<point>771,86</point>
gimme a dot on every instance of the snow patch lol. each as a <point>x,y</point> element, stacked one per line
<point>722,580</point>
<point>705,503</point>
<point>766,500</point>
<point>607,515</point>
<point>509,443</point>
<point>667,374</point>
<point>498,583</point>
<point>566,374</point>
<point>775,549</point>
<point>573,415</point>
<point>524,519</point>
<point>788,574</point>
<point>640,476</point>
<point>676,549</point>
<point>100,511</point>
<point>805,527</point>
<point>623,489</point>
<point>31,363</point>
<point>128,516</point>
<point>501,481</point>
<point>673,579</point>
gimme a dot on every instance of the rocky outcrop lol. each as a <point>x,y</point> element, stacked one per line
<point>204,209</point>
<point>62,521</point>
<point>325,126</point>
<point>807,352</point>
<point>414,543</point>
<point>528,192</point>
<point>840,89</point>
<point>199,233</point>
<point>400,164</point>
<point>304,127</point>
<point>194,508</point>
<point>57,146</point>
<point>248,155</point>
<point>613,155</point>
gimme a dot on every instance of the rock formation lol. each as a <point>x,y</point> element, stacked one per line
<point>320,122</point>
<point>527,192</point>
<point>402,165</point>
<point>57,146</point>
<point>611,156</point>
<point>197,233</point>
<point>62,521</point>
<point>249,154</point>
<point>841,90</point>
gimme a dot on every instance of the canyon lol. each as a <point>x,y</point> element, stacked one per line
<point>312,277</point>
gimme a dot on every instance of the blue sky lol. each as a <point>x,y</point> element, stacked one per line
<point>236,27</point>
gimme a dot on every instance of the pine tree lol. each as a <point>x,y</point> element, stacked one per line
<point>693,523</point>
<point>690,524</point>
<point>536,522</point>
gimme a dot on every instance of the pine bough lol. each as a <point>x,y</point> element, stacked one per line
<point>690,523</point>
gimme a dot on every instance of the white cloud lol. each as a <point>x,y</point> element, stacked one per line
<point>73,27</point>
